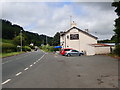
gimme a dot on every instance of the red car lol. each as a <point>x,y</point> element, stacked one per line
<point>63,51</point>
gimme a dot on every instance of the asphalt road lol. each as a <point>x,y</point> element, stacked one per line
<point>56,71</point>
<point>15,64</point>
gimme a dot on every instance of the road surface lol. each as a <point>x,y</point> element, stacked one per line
<point>41,70</point>
<point>13,65</point>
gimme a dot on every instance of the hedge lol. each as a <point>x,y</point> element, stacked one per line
<point>49,48</point>
<point>117,50</point>
<point>26,48</point>
<point>8,47</point>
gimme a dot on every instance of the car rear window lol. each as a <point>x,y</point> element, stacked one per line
<point>67,49</point>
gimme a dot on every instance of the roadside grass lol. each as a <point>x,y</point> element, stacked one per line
<point>2,55</point>
<point>113,55</point>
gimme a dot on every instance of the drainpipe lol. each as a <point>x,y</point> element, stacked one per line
<point>65,41</point>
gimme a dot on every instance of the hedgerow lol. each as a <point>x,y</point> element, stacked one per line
<point>8,47</point>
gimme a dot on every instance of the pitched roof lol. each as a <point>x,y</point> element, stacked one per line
<point>63,33</point>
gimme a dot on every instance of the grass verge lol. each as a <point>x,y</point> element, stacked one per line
<point>114,56</point>
<point>2,55</point>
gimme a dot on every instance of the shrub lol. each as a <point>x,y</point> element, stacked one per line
<point>26,48</point>
<point>49,48</point>
<point>117,50</point>
<point>32,47</point>
<point>7,41</point>
<point>8,47</point>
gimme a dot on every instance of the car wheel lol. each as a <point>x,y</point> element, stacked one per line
<point>68,55</point>
<point>79,54</point>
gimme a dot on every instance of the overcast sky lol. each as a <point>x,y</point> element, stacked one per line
<point>51,17</point>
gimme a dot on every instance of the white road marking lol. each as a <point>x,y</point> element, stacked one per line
<point>31,65</point>
<point>37,61</point>
<point>34,63</point>
<point>18,73</point>
<point>19,58</point>
<point>6,81</point>
<point>41,57</point>
<point>26,69</point>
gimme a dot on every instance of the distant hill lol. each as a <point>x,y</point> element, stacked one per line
<point>10,31</point>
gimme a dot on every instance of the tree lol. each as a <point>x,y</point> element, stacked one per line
<point>9,31</point>
<point>56,39</point>
<point>17,40</point>
<point>117,27</point>
<point>117,21</point>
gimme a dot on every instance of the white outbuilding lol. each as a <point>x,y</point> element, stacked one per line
<point>78,39</point>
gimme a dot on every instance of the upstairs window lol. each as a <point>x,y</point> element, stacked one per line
<point>74,36</point>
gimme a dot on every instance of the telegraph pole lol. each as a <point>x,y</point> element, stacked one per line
<point>21,39</point>
<point>46,40</point>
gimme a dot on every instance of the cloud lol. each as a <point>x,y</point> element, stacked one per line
<point>51,17</point>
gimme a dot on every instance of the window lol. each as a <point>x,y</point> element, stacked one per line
<point>67,36</point>
<point>74,36</point>
<point>74,51</point>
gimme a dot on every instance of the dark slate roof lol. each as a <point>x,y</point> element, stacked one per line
<point>63,33</point>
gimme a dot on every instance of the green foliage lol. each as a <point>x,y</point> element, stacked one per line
<point>7,41</point>
<point>17,40</point>
<point>117,5</point>
<point>9,54</point>
<point>48,48</point>
<point>8,47</point>
<point>117,50</point>
<point>11,32</point>
<point>114,38</point>
<point>117,21</point>
<point>32,47</point>
<point>56,39</point>
<point>26,48</point>
<point>106,41</point>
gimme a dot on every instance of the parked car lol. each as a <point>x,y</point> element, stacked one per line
<point>73,53</point>
<point>65,50</point>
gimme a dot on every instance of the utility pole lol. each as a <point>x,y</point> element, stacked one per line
<point>46,40</point>
<point>21,39</point>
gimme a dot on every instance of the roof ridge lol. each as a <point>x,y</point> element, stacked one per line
<point>81,31</point>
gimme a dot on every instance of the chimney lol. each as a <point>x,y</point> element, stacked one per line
<point>86,30</point>
<point>73,24</point>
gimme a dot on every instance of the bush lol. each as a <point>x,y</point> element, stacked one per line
<point>26,48</point>
<point>49,48</point>
<point>8,47</point>
<point>32,47</point>
<point>117,50</point>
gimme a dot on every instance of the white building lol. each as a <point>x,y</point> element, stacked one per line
<point>78,39</point>
<point>103,48</point>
